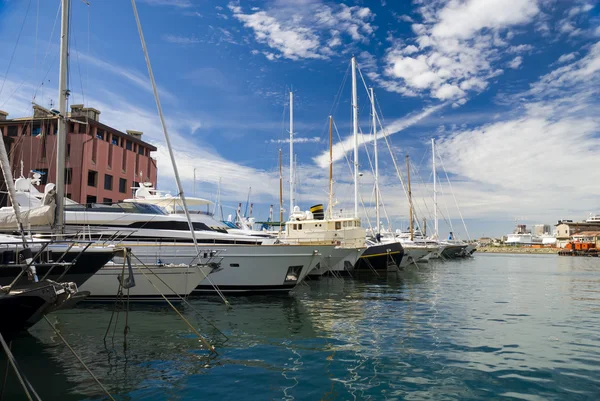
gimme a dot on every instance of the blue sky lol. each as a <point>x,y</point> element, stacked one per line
<point>508,87</point>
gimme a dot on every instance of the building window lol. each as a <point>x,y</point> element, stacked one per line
<point>13,130</point>
<point>90,199</point>
<point>71,128</point>
<point>108,180</point>
<point>68,195</point>
<point>44,175</point>
<point>122,185</point>
<point>36,129</point>
<point>141,150</point>
<point>106,200</point>
<point>82,128</point>
<point>92,178</point>
<point>100,134</point>
<point>115,140</point>
<point>128,145</point>
<point>68,175</point>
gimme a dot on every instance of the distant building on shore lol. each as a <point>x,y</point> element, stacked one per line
<point>102,163</point>
<point>568,230</point>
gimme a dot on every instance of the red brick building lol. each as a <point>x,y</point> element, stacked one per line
<point>102,163</point>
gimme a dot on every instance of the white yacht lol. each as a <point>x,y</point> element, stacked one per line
<point>162,240</point>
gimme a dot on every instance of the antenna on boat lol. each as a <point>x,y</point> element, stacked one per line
<point>61,135</point>
<point>435,216</point>
<point>410,205</point>
<point>291,152</point>
<point>280,192</point>
<point>355,134</point>
<point>330,167</point>
<point>374,116</point>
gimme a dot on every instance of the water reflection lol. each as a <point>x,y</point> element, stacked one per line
<point>489,327</point>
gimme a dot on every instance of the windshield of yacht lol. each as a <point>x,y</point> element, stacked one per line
<point>128,207</point>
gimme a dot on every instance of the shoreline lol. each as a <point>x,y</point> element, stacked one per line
<point>518,250</point>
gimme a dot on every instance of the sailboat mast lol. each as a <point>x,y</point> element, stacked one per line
<point>291,153</point>
<point>435,217</point>
<point>355,134</point>
<point>61,136</point>
<point>280,191</point>
<point>410,205</point>
<point>330,167</point>
<point>377,225</point>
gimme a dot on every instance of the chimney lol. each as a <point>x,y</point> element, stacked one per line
<point>3,115</point>
<point>135,134</point>
<point>77,110</point>
<point>41,112</point>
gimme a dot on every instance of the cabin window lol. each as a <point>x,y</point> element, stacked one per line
<point>299,226</point>
<point>338,225</point>
<point>92,179</point>
<point>108,182</point>
<point>122,185</point>
<point>345,224</point>
<point>295,227</point>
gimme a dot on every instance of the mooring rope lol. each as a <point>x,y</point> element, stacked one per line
<point>79,359</point>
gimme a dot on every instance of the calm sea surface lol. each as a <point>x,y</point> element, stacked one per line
<point>494,326</point>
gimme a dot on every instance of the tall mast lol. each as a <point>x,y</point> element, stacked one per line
<point>377,225</point>
<point>280,192</point>
<point>61,137</point>
<point>410,206</point>
<point>355,133</point>
<point>330,167</point>
<point>291,153</point>
<point>435,217</point>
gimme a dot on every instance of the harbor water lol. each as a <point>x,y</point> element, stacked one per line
<point>514,327</point>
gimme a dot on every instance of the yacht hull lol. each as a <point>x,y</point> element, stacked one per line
<point>338,261</point>
<point>381,257</point>
<point>453,251</point>
<point>262,269</point>
<point>85,266</point>
<point>152,282</point>
<point>413,254</point>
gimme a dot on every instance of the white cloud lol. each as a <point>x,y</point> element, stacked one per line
<point>523,160</point>
<point>170,3</point>
<point>460,20</point>
<point>456,46</point>
<point>515,62</point>
<point>340,148</point>
<point>181,40</point>
<point>565,58</point>
<point>307,32</point>
<point>580,9</point>
<point>314,139</point>
<point>520,49</point>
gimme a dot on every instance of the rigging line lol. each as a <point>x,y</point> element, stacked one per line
<point>37,20</point>
<point>79,359</point>
<point>447,218</point>
<point>48,49</point>
<point>452,191</point>
<point>22,379</point>
<point>179,296</point>
<point>79,72</point>
<point>12,56</point>
<point>168,141</point>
